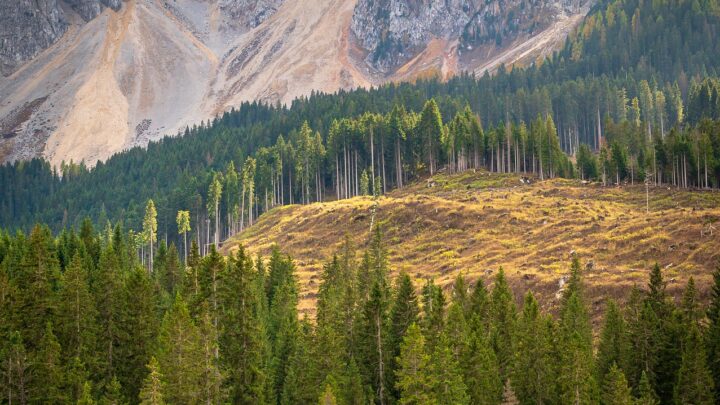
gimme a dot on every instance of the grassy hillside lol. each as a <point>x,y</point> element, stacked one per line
<point>474,223</point>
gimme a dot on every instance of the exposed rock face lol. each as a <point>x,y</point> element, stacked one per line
<point>248,13</point>
<point>27,27</point>
<point>392,31</point>
<point>89,9</point>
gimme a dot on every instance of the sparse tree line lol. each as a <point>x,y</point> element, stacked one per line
<point>82,321</point>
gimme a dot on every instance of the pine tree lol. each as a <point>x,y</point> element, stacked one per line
<point>646,394</point>
<point>153,386</point>
<point>503,316</point>
<point>140,323</point>
<point>414,377</point>
<point>614,346</point>
<point>150,228</point>
<point>533,366</point>
<point>404,312</point>
<point>180,355</point>
<point>300,385</point>
<point>447,375</point>
<point>86,397</point>
<point>77,327</point>
<point>713,333</point>
<point>482,375</point>
<point>576,379</point>
<point>615,388</point>
<point>695,384</point>
<point>109,294</point>
<point>242,339</point>
<point>47,373</point>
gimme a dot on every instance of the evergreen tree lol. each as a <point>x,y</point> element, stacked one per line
<point>86,397</point>
<point>113,394</point>
<point>242,340</point>
<point>404,312</point>
<point>414,376</point>
<point>76,319</point>
<point>613,348</point>
<point>646,394</point>
<point>300,385</point>
<point>179,353</point>
<point>482,375</point>
<point>153,386</point>
<point>713,333</point>
<point>695,384</point>
<point>108,289</point>
<point>503,315</point>
<point>150,229</point>
<point>47,373</point>
<point>533,365</point>
<point>615,389</point>
<point>447,375</point>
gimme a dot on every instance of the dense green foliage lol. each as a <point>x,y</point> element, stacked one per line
<point>627,97</point>
<point>82,321</point>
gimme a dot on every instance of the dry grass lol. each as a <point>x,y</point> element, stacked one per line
<point>472,224</point>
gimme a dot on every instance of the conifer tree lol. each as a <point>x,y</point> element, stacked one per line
<point>503,315</point>
<point>300,384</point>
<point>150,228</point>
<point>414,377</point>
<point>113,394</point>
<point>695,384</point>
<point>478,313</point>
<point>449,386</point>
<point>153,386</point>
<point>180,355</point>
<point>86,397</point>
<point>533,371</point>
<point>47,373</point>
<point>614,346</point>
<point>646,394</point>
<point>713,332</point>
<point>211,378</point>
<point>482,375</point>
<point>141,326</point>
<point>183,227</point>
<point>242,340</point>
<point>108,290</point>
<point>615,389</point>
<point>77,327</point>
<point>213,204</point>
<point>328,396</point>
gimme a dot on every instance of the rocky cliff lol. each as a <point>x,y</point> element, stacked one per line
<point>394,31</point>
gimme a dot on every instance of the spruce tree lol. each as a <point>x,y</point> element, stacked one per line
<point>179,353</point>
<point>447,375</point>
<point>713,333</point>
<point>47,374</point>
<point>414,377</point>
<point>503,314</point>
<point>433,319</point>
<point>482,375</point>
<point>141,325</point>
<point>615,389</point>
<point>86,397</point>
<point>76,318</point>
<point>646,394</point>
<point>404,312</point>
<point>108,291</point>
<point>614,346</point>
<point>113,394</point>
<point>153,386</point>
<point>695,384</point>
<point>242,340</point>
<point>533,371</point>
<point>300,385</point>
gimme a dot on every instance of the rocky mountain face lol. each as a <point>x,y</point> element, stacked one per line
<point>393,31</point>
<point>27,27</point>
<point>83,79</point>
<point>248,13</point>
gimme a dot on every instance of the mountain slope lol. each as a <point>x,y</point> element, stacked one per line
<point>474,223</point>
<point>92,80</point>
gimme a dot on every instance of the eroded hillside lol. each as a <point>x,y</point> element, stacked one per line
<point>472,224</point>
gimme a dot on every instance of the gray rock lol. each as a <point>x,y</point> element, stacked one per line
<point>27,27</point>
<point>393,31</point>
<point>248,13</point>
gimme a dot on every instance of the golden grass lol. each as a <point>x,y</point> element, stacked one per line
<point>473,223</point>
